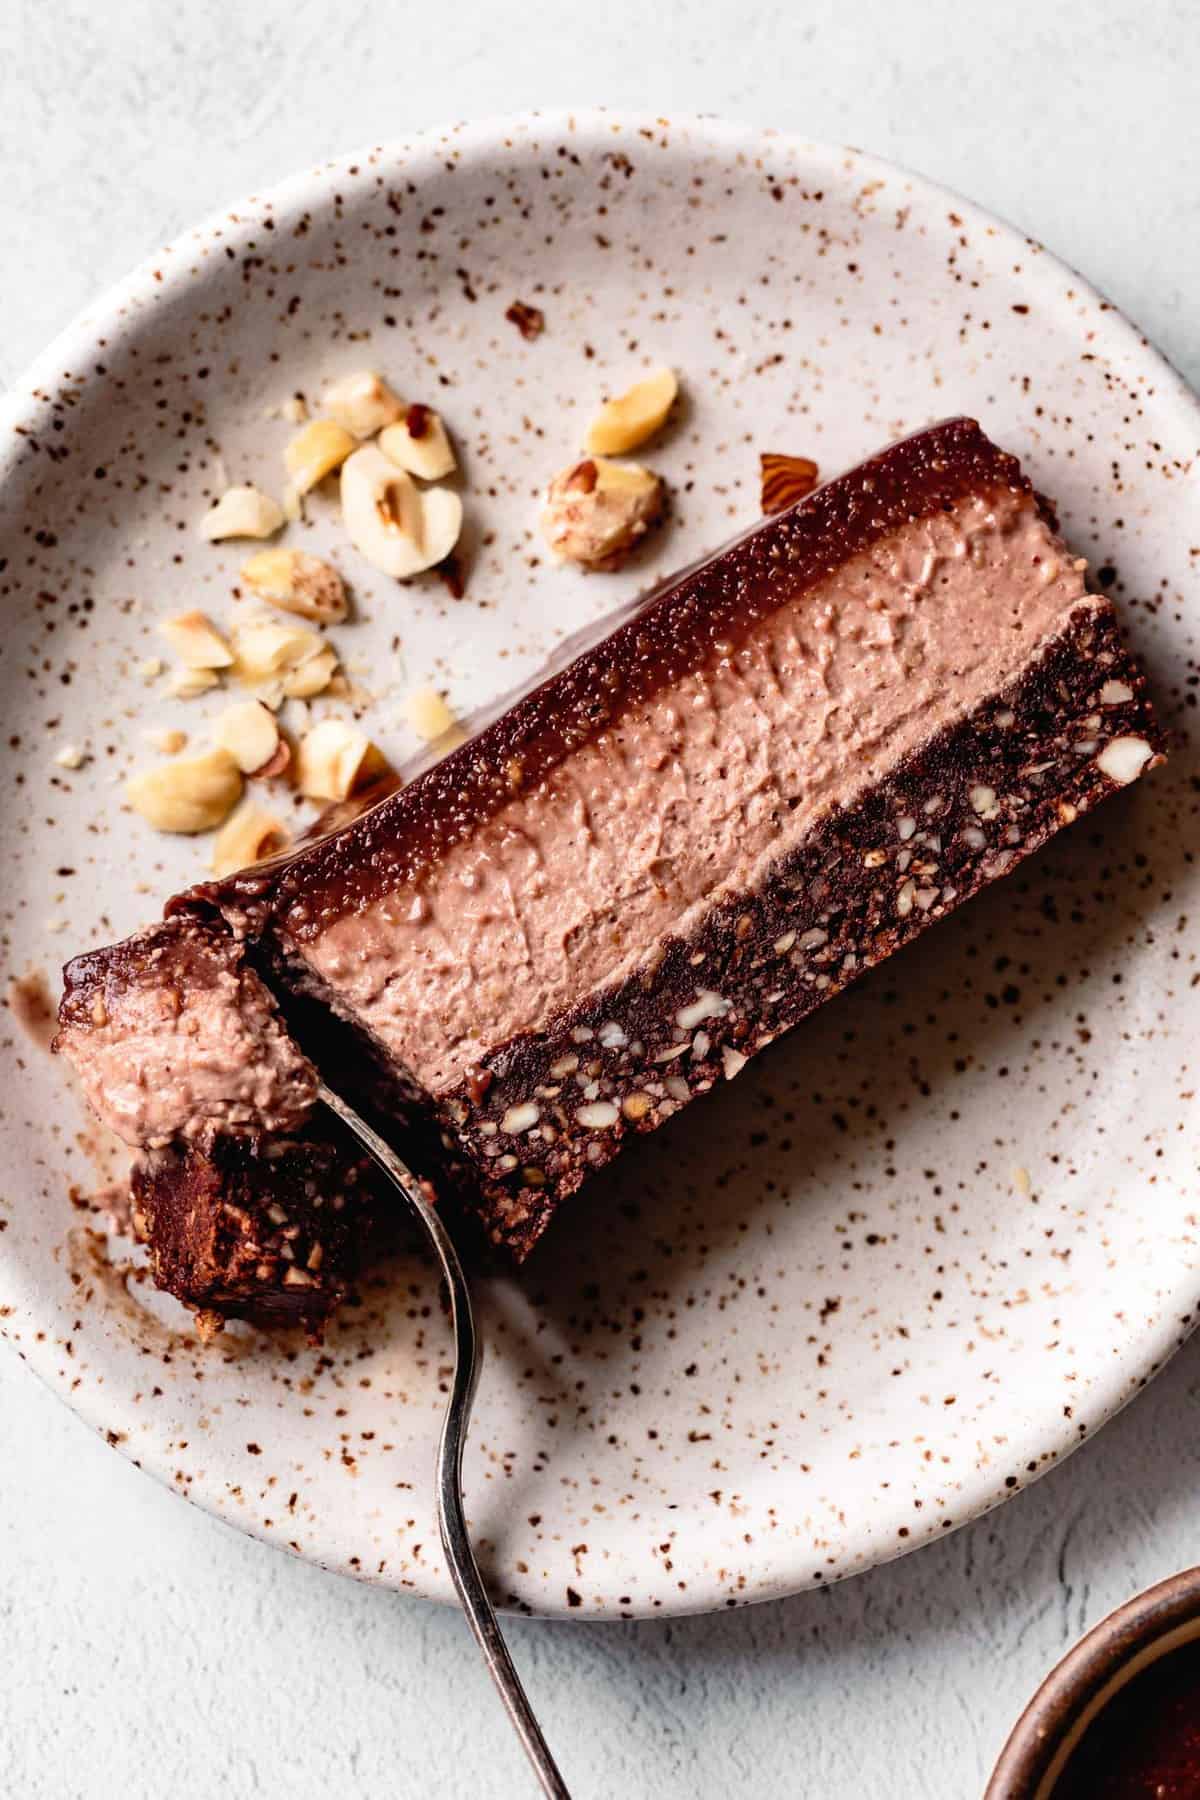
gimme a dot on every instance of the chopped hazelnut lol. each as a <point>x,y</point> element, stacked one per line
<point>520,1118</point>
<point>196,641</point>
<point>242,512</point>
<point>297,583</point>
<point>245,838</point>
<point>598,1115</point>
<point>189,684</point>
<point>1124,758</point>
<point>400,529</point>
<point>432,719</point>
<point>312,676</point>
<point>265,647</point>
<point>333,759</point>
<point>634,416</point>
<point>188,795</point>
<point>363,403</point>
<point>596,511</point>
<point>316,451</point>
<point>249,732</point>
<point>418,443</point>
<point>706,1005</point>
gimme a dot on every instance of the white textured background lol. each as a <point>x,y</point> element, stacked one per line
<point>146,1651</point>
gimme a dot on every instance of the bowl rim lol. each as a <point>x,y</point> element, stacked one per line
<point>1137,1634</point>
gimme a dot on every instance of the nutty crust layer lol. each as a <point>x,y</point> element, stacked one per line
<point>271,1230</point>
<point>542,1112</point>
<point>673,631</point>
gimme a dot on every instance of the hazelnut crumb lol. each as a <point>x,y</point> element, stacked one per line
<point>530,321</point>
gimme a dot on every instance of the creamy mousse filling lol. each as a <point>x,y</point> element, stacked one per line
<point>690,796</point>
<point>180,1039</point>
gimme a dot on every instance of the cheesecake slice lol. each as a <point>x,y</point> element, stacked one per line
<point>772,773</point>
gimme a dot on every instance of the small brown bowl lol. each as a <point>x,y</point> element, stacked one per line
<point>1050,1730</point>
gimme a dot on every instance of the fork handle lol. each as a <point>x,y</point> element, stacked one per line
<point>456,1541</point>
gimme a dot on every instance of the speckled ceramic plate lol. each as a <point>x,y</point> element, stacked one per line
<point>920,1249</point>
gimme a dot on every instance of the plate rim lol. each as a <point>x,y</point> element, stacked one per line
<point>166,273</point>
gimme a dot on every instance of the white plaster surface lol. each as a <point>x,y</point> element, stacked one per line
<point>145,1650</point>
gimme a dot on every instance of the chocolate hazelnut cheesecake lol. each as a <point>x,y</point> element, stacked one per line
<point>776,770</point>
<point>253,1202</point>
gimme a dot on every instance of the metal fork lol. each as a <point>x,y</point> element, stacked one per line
<point>456,1543</point>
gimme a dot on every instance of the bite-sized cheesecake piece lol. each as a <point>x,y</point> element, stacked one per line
<point>774,772</point>
<point>172,1035</point>
<point>252,1205</point>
